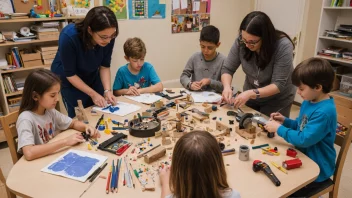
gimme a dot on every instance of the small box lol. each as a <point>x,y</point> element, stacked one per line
<point>346,85</point>
<point>48,35</point>
<point>30,55</point>
<point>48,48</point>
<point>48,61</point>
<point>32,63</point>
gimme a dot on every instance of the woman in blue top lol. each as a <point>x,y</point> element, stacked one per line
<point>84,57</point>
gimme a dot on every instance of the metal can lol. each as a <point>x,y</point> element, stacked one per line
<point>244,153</point>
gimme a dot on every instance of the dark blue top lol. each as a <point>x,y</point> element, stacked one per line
<point>73,59</point>
<point>313,133</point>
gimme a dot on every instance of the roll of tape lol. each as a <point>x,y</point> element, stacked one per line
<point>244,153</point>
<point>25,31</point>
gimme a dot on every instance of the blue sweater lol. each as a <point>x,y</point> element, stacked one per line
<point>72,59</point>
<point>313,133</point>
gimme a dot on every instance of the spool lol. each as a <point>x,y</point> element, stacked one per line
<point>244,153</point>
<point>25,31</point>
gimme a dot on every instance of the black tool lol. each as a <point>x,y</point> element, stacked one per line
<point>262,166</point>
<point>100,119</point>
<point>105,145</point>
<point>222,146</point>
<point>86,136</point>
<point>167,96</point>
<point>96,173</point>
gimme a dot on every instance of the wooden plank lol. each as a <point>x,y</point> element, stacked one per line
<point>11,43</point>
<point>344,112</point>
<point>344,121</point>
<point>25,68</point>
<point>32,20</point>
<point>341,100</point>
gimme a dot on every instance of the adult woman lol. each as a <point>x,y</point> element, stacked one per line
<point>84,57</point>
<point>266,56</point>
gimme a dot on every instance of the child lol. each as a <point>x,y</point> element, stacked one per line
<point>197,169</point>
<point>313,132</point>
<point>203,69</point>
<point>137,76</point>
<point>39,120</point>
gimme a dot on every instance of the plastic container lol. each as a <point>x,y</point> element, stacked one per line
<point>346,85</point>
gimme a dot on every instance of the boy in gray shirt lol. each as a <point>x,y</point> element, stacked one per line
<point>203,70</point>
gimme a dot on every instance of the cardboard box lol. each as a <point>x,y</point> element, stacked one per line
<point>48,35</point>
<point>48,61</point>
<point>35,55</point>
<point>49,56</point>
<point>33,63</point>
<point>48,48</point>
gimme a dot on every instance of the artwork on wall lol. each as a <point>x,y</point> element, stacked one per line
<point>119,7</point>
<point>75,164</point>
<point>146,9</point>
<point>189,15</point>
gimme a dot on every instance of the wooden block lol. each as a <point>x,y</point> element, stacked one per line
<point>221,126</point>
<point>229,153</point>
<point>208,110</point>
<point>245,134</point>
<point>146,114</point>
<point>155,154</point>
<point>165,141</point>
<point>178,134</point>
<point>199,117</point>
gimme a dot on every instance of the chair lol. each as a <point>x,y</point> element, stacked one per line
<point>8,123</point>
<point>8,192</point>
<point>333,188</point>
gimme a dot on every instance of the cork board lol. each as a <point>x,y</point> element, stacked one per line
<point>21,7</point>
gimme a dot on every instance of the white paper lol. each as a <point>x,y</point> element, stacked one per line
<point>196,6</point>
<point>125,109</point>
<point>205,96</point>
<point>175,4</point>
<point>68,167</point>
<point>6,6</point>
<point>184,4</point>
<point>145,98</point>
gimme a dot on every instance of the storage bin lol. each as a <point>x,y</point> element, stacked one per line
<point>346,85</point>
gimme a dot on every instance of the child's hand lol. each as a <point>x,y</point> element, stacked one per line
<point>272,126</point>
<point>74,139</point>
<point>164,175</point>
<point>133,91</point>
<point>196,86</point>
<point>94,133</point>
<point>204,82</point>
<point>278,117</point>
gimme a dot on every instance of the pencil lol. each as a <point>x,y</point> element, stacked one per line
<point>108,182</point>
<point>112,185</point>
<point>117,174</point>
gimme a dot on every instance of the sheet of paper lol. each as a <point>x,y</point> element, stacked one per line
<point>74,164</point>
<point>6,6</point>
<point>184,4</point>
<point>145,98</point>
<point>196,6</point>
<point>125,109</point>
<point>205,96</point>
<point>175,4</point>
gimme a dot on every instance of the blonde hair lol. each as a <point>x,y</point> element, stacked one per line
<point>134,48</point>
<point>197,169</point>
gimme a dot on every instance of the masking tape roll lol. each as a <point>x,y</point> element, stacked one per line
<point>25,31</point>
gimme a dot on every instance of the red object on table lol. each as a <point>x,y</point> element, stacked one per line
<point>291,152</point>
<point>291,164</point>
<point>121,150</point>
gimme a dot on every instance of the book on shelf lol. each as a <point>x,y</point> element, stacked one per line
<point>9,84</point>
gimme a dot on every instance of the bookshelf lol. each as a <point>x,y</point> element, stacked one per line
<point>330,19</point>
<point>14,24</point>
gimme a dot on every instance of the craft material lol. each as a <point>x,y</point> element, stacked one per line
<point>279,167</point>
<point>108,181</point>
<point>144,127</point>
<point>145,98</point>
<point>75,164</point>
<point>143,154</point>
<point>124,109</point>
<point>117,138</point>
<point>228,152</point>
<point>155,155</point>
<point>291,152</point>
<point>88,187</point>
<point>96,173</point>
<point>83,112</point>
<point>260,146</point>
<point>244,153</point>
<point>100,119</point>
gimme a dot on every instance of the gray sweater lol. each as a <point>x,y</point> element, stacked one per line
<point>277,72</point>
<point>198,68</point>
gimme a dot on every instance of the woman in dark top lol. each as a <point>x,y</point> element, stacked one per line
<point>266,56</point>
<point>84,57</point>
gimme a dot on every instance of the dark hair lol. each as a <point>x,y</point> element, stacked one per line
<point>197,169</point>
<point>98,19</point>
<point>259,24</point>
<point>37,82</point>
<point>313,72</point>
<point>134,48</point>
<point>210,34</point>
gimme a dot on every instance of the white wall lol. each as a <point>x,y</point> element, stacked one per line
<point>170,52</point>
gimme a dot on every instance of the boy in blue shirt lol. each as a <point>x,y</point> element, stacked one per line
<point>136,77</point>
<point>313,132</point>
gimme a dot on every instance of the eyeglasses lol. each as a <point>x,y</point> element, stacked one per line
<point>107,37</point>
<point>252,43</point>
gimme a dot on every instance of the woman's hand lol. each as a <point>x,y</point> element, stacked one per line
<point>99,100</point>
<point>243,97</point>
<point>227,95</point>
<point>110,98</point>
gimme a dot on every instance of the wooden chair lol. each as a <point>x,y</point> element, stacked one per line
<point>8,192</point>
<point>333,188</point>
<point>8,123</point>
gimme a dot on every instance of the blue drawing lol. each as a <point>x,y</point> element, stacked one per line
<point>74,165</point>
<point>146,9</point>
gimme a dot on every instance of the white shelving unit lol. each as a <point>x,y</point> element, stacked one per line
<point>331,18</point>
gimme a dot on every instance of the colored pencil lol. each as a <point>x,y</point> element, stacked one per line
<point>112,185</point>
<point>108,182</point>
<point>117,174</point>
